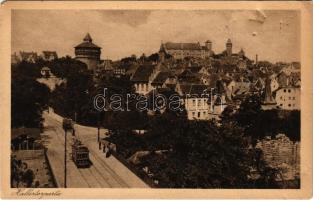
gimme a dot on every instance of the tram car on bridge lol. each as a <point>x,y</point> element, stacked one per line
<point>80,154</point>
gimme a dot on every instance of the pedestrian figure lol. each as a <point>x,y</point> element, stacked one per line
<point>73,132</point>
<point>103,148</point>
<point>108,154</point>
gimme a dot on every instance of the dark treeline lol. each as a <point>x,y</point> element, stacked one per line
<point>28,97</point>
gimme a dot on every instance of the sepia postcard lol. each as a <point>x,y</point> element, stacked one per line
<point>156,99</point>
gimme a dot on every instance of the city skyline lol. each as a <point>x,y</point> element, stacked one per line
<point>145,30</point>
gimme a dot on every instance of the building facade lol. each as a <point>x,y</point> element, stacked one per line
<point>143,78</point>
<point>288,98</point>
<point>49,55</point>
<point>184,50</point>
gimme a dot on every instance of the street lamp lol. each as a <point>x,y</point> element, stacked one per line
<point>67,126</point>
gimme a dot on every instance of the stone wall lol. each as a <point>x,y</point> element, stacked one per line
<point>36,161</point>
<point>283,154</point>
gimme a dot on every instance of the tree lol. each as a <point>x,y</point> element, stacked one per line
<point>27,70</point>
<point>130,59</point>
<point>66,66</point>
<point>202,155</point>
<point>258,123</point>
<point>153,57</point>
<point>248,117</point>
<point>73,98</point>
<point>29,97</point>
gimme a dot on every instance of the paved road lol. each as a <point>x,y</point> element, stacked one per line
<point>103,173</point>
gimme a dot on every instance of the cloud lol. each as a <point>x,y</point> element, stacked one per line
<point>122,33</point>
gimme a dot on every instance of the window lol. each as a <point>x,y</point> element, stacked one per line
<point>281,104</point>
<point>289,98</point>
<point>284,90</point>
<point>289,105</point>
<point>204,113</point>
<point>193,114</point>
<point>194,102</point>
<point>281,97</point>
<point>294,98</point>
<point>289,90</point>
<point>199,114</point>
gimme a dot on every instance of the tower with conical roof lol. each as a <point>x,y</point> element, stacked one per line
<point>229,47</point>
<point>88,53</point>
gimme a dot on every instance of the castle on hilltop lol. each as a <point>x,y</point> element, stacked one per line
<point>196,50</point>
<point>183,50</point>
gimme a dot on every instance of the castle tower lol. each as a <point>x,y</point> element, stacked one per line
<point>208,45</point>
<point>88,53</point>
<point>256,59</point>
<point>162,52</point>
<point>229,47</point>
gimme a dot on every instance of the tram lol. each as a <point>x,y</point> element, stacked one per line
<point>80,154</point>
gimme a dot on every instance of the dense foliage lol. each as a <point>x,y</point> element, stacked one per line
<point>73,98</point>
<point>29,98</point>
<point>259,123</point>
<point>196,154</point>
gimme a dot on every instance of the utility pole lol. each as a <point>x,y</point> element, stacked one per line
<point>65,141</point>
<point>67,125</point>
<point>99,126</point>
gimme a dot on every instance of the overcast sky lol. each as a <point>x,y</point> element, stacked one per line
<point>273,35</point>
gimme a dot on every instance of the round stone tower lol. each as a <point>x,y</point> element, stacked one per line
<point>88,53</point>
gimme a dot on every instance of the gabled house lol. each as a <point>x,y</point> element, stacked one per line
<point>170,82</point>
<point>49,55</point>
<point>199,70</point>
<point>160,79</point>
<point>144,76</point>
<point>28,56</point>
<point>201,102</point>
<point>130,71</point>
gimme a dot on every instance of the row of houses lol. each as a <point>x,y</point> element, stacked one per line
<point>201,95</point>
<point>227,77</point>
<point>33,56</point>
<point>222,88</point>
